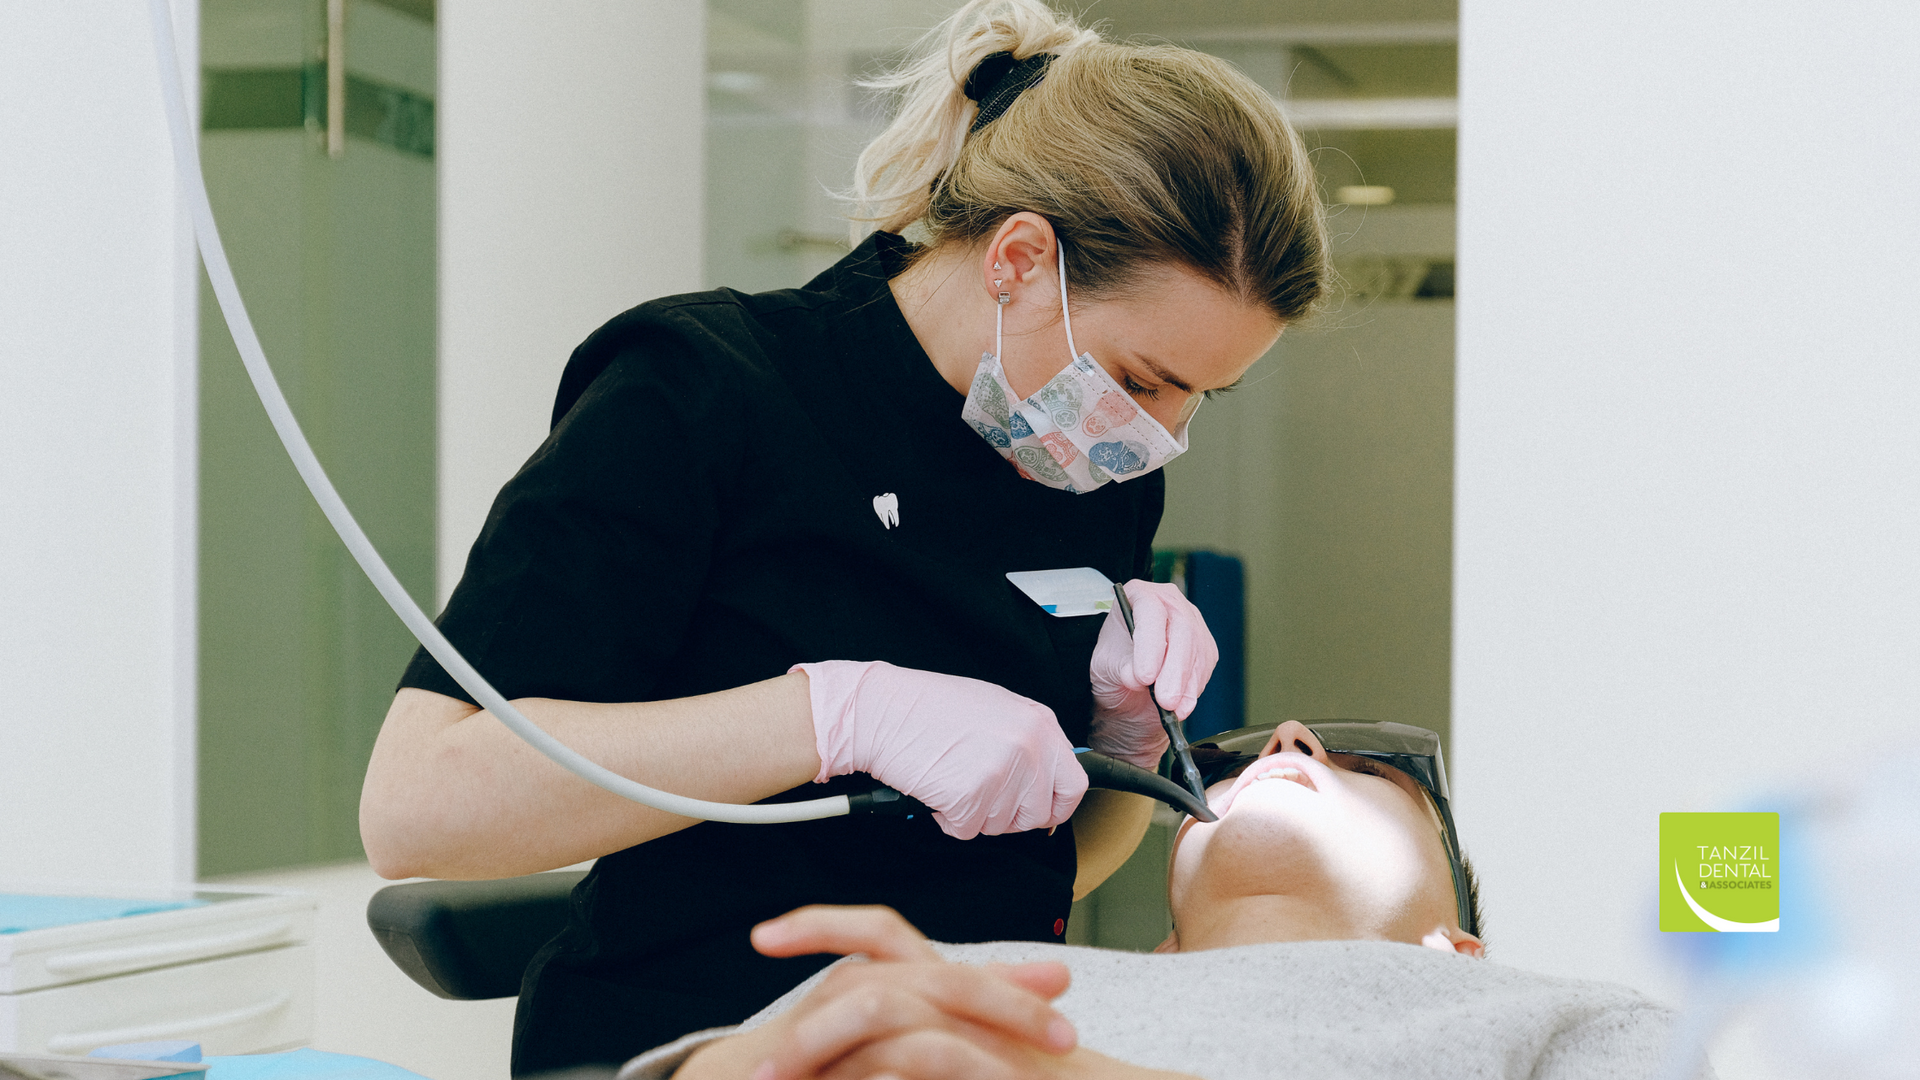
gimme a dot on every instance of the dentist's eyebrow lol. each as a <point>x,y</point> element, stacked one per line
<point>1164,375</point>
<point>1176,381</point>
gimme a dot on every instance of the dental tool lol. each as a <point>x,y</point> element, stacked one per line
<point>1176,728</point>
<point>1102,771</point>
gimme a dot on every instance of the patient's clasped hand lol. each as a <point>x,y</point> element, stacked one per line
<point>1315,935</point>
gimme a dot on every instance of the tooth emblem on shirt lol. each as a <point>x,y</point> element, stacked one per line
<point>887,507</point>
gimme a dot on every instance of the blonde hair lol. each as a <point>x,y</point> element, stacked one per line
<point>1135,154</point>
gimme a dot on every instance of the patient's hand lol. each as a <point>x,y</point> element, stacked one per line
<point>907,1013</point>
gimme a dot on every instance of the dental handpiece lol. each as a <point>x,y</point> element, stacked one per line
<point>1102,772</point>
<point>1176,728</point>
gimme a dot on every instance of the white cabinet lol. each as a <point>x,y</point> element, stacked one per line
<point>234,974</point>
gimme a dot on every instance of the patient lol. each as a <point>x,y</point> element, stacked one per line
<point>1316,934</point>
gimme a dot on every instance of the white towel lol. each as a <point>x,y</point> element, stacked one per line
<point>1352,1010</point>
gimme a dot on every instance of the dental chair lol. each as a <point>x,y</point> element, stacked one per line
<point>470,940</point>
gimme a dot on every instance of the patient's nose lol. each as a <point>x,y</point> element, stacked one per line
<point>1295,737</point>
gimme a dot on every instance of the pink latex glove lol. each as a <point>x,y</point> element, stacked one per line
<point>1170,649</point>
<point>984,758</point>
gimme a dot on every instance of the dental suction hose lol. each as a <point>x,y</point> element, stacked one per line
<point>1117,775</point>
<point>193,185</point>
<point>1102,771</point>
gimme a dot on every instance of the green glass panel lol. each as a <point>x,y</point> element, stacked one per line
<point>242,99</point>
<point>336,257</point>
<point>390,116</point>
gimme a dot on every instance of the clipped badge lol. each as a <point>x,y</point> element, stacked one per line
<point>1066,593</point>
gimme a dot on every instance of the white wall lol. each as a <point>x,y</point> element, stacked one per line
<point>1688,479</point>
<point>570,153</point>
<point>1330,473</point>
<point>97,463</point>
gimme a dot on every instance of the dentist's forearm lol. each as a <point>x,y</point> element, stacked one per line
<point>451,793</point>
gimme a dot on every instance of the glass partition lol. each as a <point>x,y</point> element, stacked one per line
<point>329,217</point>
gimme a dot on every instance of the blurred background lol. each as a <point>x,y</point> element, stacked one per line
<point>1633,529</point>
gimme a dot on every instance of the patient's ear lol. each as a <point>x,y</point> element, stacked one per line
<point>1172,944</point>
<point>1448,939</point>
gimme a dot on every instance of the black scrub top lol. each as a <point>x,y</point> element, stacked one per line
<point>702,517</point>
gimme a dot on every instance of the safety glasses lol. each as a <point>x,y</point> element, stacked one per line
<point>1412,750</point>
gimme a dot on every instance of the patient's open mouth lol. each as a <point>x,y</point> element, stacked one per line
<point>1285,772</point>
<point>1297,768</point>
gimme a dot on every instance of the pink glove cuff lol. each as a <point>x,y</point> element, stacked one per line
<point>831,686</point>
<point>1134,736</point>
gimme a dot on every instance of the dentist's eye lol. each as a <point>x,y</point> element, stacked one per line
<point>1131,387</point>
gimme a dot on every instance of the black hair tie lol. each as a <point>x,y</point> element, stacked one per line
<point>1000,79</point>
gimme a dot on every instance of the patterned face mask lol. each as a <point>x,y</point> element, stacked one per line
<point>1078,431</point>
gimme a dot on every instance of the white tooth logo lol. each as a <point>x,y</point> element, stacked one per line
<point>888,508</point>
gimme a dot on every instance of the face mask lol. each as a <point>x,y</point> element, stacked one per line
<point>1078,431</point>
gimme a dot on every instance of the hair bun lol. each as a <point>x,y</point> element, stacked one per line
<point>987,75</point>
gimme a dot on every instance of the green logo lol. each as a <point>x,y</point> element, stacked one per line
<point>1720,872</point>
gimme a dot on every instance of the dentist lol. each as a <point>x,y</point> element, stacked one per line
<point>764,547</point>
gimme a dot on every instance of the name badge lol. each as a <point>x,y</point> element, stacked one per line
<point>1066,593</point>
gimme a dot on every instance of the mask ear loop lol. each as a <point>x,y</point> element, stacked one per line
<point>999,317</point>
<point>1060,253</point>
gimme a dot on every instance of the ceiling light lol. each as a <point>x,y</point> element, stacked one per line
<point>1363,195</point>
<point>737,82</point>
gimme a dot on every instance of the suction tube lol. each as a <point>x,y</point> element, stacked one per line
<point>193,185</point>
<point>1116,775</point>
<point>1102,772</point>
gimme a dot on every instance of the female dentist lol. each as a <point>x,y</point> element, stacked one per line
<point>764,547</point>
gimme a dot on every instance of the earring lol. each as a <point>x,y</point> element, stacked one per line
<point>1006,298</point>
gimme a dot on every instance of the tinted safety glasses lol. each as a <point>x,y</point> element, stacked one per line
<point>1412,750</point>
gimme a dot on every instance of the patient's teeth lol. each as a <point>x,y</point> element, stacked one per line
<point>1285,772</point>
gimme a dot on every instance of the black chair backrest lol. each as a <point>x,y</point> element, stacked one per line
<point>470,940</point>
